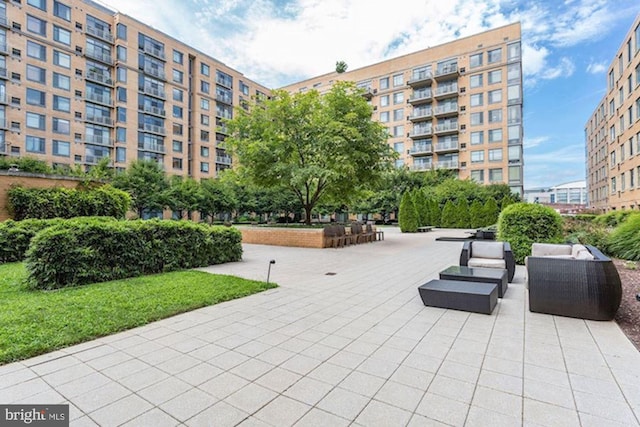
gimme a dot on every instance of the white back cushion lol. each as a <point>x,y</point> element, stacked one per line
<point>575,249</point>
<point>546,249</point>
<point>491,250</point>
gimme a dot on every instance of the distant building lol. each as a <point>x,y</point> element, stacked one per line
<point>565,198</point>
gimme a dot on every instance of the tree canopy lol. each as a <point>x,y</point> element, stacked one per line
<point>319,147</point>
<point>145,181</point>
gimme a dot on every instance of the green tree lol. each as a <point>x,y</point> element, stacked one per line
<point>408,215</point>
<point>489,212</point>
<point>315,146</point>
<point>475,214</point>
<point>506,201</point>
<point>145,181</point>
<point>341,67</point>
<point>216,197</point>
<point>462,213</point>
<point>434,213</point>
<point>422,208</point>
<point>448,219</point>
<point>183,195</point>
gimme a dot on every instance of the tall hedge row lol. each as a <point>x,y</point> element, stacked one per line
<point>80,252</point>
<point>45,203</point>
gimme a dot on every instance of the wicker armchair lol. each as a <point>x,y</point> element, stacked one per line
<point>489,254</point>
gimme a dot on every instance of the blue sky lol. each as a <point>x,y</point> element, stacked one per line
<point>568,46</point>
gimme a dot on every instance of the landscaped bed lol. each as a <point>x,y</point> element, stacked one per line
<point>36,322</point>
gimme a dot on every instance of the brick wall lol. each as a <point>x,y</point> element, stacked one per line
<point>302,238</point>
<point>30,180</point>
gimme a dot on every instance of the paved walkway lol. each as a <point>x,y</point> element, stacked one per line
<point>344,340</point>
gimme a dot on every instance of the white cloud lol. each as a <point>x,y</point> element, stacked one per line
<point>597,67</point>
<point>535,141</point>
<point>554,167</point>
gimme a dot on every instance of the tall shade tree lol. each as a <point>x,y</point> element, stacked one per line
<point>319,147</point>
<point>145,181</point>
<point>183,195</point>
<point>216,197</point>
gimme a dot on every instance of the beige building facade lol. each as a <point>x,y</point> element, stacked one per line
<point>80,82</point>
<point>455,106</point>
<point>612,134</point>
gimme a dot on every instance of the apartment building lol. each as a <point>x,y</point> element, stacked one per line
<point>455,106</point>
<point>612,134</point>
<point>80,82</point>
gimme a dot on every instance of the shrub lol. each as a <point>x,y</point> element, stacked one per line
<point>45,203</point>
<point>475,214</point>
<point>407,215</point>
<point>448,219</point>
<point>490,212</point>
<point>462,213</point>
<point>422,207</point>
<point>434,213</point>
<point>522,224</point>
<point>582,229</point>
<point>613,218</point>
<point>624,240</point>
<point>78,252</point>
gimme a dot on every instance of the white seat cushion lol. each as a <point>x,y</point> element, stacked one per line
<point>549,249</point>
<point>486,262</point>
<point>493,250</point>
<point>584,255</point>
<point>575,249</point>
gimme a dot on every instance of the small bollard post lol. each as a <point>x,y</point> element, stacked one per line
<point>273,261</point>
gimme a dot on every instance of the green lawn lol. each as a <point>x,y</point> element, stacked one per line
<point>36,322</point>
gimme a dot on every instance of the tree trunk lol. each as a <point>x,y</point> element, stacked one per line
<point>307,214</point>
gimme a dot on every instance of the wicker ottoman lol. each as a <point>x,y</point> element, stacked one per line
<point>458,295</point>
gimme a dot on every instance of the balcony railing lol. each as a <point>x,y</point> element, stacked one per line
<point>447,146</point>
<point>422,166</point>
<point>103,120</point>
<point>4,22</point>
<point>228,83</point>
<point>446,90</point>
<point>446,71</point>
<point>419,132</point>
<point>420,79</point>
<point>447,127</point>
<point>224,99</point>
<point>156,72</point>
<point>421,149</point>
<point>225,160</point>
<point>153,91</point>
<point>445,109</point>
<point>99,77</point>
<point>156,111</point>
<point>3,99</point>
<point>101,34</point>
<point>3,124</point>
<point>447,164</point>
<point>99,140</point>
<point>157,148</point>
<point>152,128</point>
<point>4,48</point>
<point>94,160</point>
<point>4,74</point>
<point>153,50</point>
<point>420,96</point>
<point>98,98</point>
<point>99,55</point>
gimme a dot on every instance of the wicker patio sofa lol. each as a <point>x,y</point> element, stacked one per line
<point>573,281</point>
<point>489,254</point>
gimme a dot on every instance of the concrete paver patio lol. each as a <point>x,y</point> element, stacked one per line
<point>352,348</point>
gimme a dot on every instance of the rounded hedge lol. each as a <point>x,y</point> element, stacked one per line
<point>80,252</point>
<point>523,224</point>
<point>624,240</point>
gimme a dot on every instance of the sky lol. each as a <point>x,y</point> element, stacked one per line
<point>568,45</point>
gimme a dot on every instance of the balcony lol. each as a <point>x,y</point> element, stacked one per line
<point>99,77</point>
<point>4,49</point>
<point>153,51</point>
<point>101,34</point>
<point>419,115</point>
<point>421,132</point>
<point>225,160</point>
<point>99,55</point>
<point>4,22</point>
<point>104,99</point>
<point>155,72</point>
<point>447,164</point>
<point>447,72</point>
<point>421,79</point>
<point>153,91</point>
<point>446,110</point>
<point>368,92</point>
<point>421,150</point>
<point>222,129</point>
<point>3,149</point>
<point>94,160</point>
<point>4,74</point>
<point>146,127</point>
<point>446,91</point>
<point>443,147</point>
<point>156,148</point>
<point>101,120</point>
<point>228,83</point>
<point>102,140</point>
<point>420,97</point>
<point>423,166</point>
<point>224,99</point>
<point>446,128</point>
<point>156,111</point>
<point>3,99</point>
<point>3,124</point>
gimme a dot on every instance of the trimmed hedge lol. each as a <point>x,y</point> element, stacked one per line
<point>523,224</point>
<point>45,203</point>
<point>408,215</point>
<point>15,236</point>
<point>80,252</point>
<point>624,240</point>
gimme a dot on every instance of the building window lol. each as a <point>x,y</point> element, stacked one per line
<point>61,148</point>
<point>632,178</point>
<point>475,60</point>
<point>60,81</point>
<point>495,96</point>
<point>40,4</point>
<point>475,100</point>
<point>398,97</point>
<point>177,146</point>
<point>398,131</point>
<point>36,50</point>
<point>204,120</point>
<point>384,83</point>
<point>398,80</point>
<point>121,94</point>
<point>515,173</point>
<point>178,95</point>
<point>513,93</point>
<point>177,129</point>
<point>61,126</point>
<point>494,55</point>
<point>121,74</point>
<point>495,116</point>
<point>495,175</point>
<point>121,134</point>
<point>121,154</point>
<point>495,135</point>
<point>475,81</point>
<point>176,163</point>
<point>513,73</point>
<point>35,144</point>
<point>384,100</point>
<point>477,156</point>
<point>384,116</point>
<point>36,74</point>
<point>178,76</point>
<point>61,59</point>
<point>204,136</point>
<point>398,114</point>
<point>515,153</point>
<point>61,35</point>
<point>121,31</point>
<point>478,176</point>
<point>205,86</point>
<point>204,69</point>
<point>35,121</point>
<point>476,119</point>
<point>494,76</point>
<point>121,114</point>
<point>61,103</point>
<point>37,26</point>
<point>61,10</point>
<point>177,112</point>
<point>477,138</point>
<point>513,51</point>
<point>204,167</point>
<point>495,155</point>
<point>204,151</point>
<point>204,104</point>
<point>177,57</point>
<point>121,53</point>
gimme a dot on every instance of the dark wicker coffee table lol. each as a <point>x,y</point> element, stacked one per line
<point>478,298</point>
<point>496,276</point>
